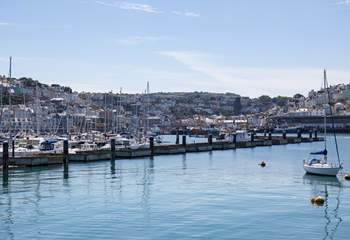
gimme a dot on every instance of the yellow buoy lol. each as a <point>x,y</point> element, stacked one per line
<point>347,177</point>
<point>318,200</point>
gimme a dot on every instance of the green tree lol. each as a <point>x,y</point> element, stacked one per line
<point>265,99</point>
<point>280,100</point>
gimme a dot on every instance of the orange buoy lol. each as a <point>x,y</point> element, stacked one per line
<point>318,200</point>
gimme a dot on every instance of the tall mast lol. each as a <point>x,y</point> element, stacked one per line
<point>148,103</point>
<point>10,107</point>
<point>10,77</point>
<point>325,108</point>
<point>117,111</point>
<point>332,118</point>
<point>37,108</point>
<point>136,116</point>
<point>25,110</point>
<point>1,100</point>
<point>105,110</point>
<point>67,120</point>
<point>1,122</point>
<point>119,105</point>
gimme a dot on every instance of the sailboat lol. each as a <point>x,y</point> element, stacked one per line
<point>320,165</point>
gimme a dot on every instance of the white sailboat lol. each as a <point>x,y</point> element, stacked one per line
<point>321,166</point>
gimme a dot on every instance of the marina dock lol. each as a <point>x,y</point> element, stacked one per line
<point>155,150</point>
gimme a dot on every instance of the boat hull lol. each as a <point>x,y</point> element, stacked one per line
<point>322,170</point>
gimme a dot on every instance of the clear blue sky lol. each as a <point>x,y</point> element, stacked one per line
<point>250,47</point>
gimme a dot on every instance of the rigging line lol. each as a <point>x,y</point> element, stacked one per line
<point>332,118</point>
<point>336,216</point>
<point>328,219</point>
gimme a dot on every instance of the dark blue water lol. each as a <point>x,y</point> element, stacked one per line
<point>217,195</point>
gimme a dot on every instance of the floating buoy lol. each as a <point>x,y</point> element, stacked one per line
<point>347,177</point>
<point>262,164</point>
<point>319,201</point>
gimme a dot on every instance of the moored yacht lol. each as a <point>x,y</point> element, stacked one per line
<point>320,165</point>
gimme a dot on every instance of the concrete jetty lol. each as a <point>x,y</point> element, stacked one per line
<point>154,150</point>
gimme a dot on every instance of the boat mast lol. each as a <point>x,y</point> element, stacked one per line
<point>137,122</point>
<point>119,110</point>
<point>10,107</point>
<point>1,103</point>
<point>105,112</point>
<point>325,109</point>
<point>25,110</point>
<point>333,124</point>
<point>37,108</point>
<point>148,109</point>
<point>325,112</point>
<point>10,77</point>
<point>67,121</point>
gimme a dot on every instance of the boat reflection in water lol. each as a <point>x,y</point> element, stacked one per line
<point>330,188</point>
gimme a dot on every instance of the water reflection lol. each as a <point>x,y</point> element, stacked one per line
<point>151,165</point>
<point>330,189</point>
<point>210,159</point>
<point>116,176</point>
<point>65,171</point>
<point>5,178</point>
<point>184,164</point>
<point>147,181</point>
<point>8,217</point>
<point>113,168</point>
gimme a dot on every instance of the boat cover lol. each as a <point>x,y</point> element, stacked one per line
<point>324,152</point>
<point>314,161</point>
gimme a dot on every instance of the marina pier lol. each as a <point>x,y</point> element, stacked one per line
<point>154,150</point>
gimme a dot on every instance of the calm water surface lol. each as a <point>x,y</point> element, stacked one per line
<point>217,195</point>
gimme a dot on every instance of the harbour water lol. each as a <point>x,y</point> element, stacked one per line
<point>209,195</point>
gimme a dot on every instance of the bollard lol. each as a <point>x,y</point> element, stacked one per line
<point>151,145</point>
<point>13,148</point>
<point>234,140</point>
<point>284,135</point>
<point>5,155</point>
<point>65,152</point>
<point>299,133</point>
<point>210,139</point>
<point>270,135</point>
<point>177,138</point>
<point>252,136</point>
<point>316,134</point>
<point>113,149</point>
<point>184,140</point>
<point>310,134</point>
